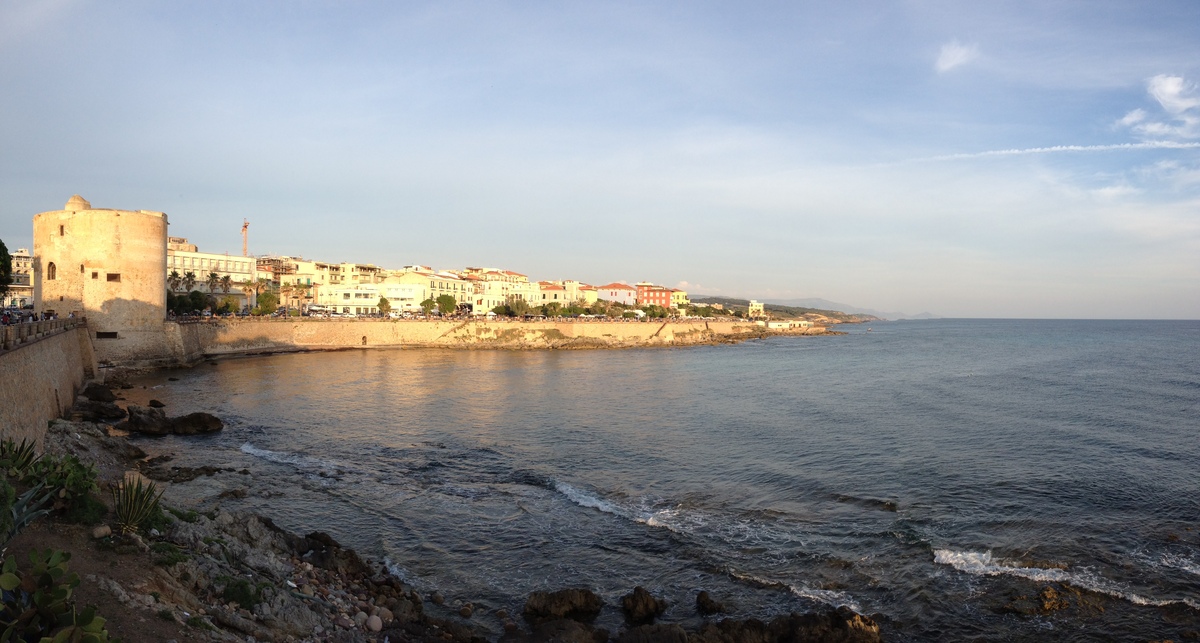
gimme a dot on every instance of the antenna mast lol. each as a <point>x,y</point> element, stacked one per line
<point>245,237</point>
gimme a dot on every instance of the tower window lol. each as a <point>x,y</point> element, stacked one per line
<point>95,275</point>
<point>51,271</point>
<point>114,276</point>
<point>61,231</point>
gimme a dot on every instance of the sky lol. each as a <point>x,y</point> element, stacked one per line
<point>1002,159</point>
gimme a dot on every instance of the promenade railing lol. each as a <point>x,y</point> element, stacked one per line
<point>17,334</point>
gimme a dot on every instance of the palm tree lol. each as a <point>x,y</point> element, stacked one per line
<point>287,290</point>
<point>211,281</point>
<point>250,288</point>
<point>189,280</point>
<point>226,284</point>
<point>173,280</point>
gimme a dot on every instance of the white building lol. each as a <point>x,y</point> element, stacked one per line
<point>184,258</point>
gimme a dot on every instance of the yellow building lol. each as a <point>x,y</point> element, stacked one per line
<point>679,299</point>
<point>756,310</point>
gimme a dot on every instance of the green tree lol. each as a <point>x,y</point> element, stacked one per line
<point>446,304</point>
<point>226,284</point>
<point>174,279</point>
<point>268,302</point>
<point>517,307</point>
<point>385,306</point>
<point>189,280</point>
<point>211,281</point>
<point>428,305</point>
<point>6,277</point>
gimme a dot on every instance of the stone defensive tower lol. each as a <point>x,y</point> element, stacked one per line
<point>110,265</point>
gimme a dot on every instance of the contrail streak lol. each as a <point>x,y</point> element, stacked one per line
<point>1149,145</point>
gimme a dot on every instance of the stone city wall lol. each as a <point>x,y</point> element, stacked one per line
<point>191,341</point>
<point>42,366</point>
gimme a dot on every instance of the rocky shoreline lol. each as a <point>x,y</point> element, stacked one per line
<point>229,576</point>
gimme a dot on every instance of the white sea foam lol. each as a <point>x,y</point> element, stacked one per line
<point>280,457</point>
<point>1181,563</point>
<point>584,499</point>
<point>983,564</point>
<point>827,596</point>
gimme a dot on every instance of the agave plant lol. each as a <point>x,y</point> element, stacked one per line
<point>135,502</point>
<point>17,459</point>
<point>23,510</point>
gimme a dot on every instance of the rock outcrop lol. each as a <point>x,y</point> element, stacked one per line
<point>641,607</point>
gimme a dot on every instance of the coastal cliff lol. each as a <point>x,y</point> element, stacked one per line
<point>189,342</point>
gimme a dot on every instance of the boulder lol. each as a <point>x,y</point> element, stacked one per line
<point>194,423</point>
<point>567,631</point>
<point>155,404</point>
<point>92,411</point>
<point>98,393</point>
<point>842,625</point>
<point>147,420</point>
<point>706,604</point>
<point>576,604</point>
<point>641,607</point>
<point>670,633</point>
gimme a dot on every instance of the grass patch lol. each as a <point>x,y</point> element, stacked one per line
<point>167,554</point>
<point>198,623</point>
<point>240,591</point>
<point>166,615</point>
<point>86,510</point>
<point>187,516</point>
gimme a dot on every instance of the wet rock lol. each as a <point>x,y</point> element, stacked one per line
<point>194,423</point>
<point>181,474</point>
<point>98,393</point>
<point>706,604</point>
<point>671,633</point>
<point>567,631</point>
<point>466,610</point>
<point>360,619</point>
<point>374,623</point>
<point>641,607</point>
<point>232,493</point>
<point>92,411</point>
<point>147,421</point>
<point>155,404</point>
<point>320,549</point>
<point>842,625</point>
<point>1051,600</point>
<point>577,604</point>
<point>436,598</point>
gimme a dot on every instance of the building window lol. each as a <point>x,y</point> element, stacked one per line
<point>51,272</point>
<point>61,231</point>
<point>100,334</point>
<point>114,276</point>
<point>95,275</point>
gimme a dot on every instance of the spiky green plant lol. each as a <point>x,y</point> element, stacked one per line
<point>134,503</point>
<point>28,507</point>
<point>17,459</point>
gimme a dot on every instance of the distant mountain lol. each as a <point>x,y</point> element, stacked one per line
<point>817,302</point>
<point>781,310</point>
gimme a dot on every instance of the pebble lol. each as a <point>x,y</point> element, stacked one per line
<point>103,531</point>
<point>344,623</point>
<point>374,623</point>
<point>466,610</point>
<point>360,618</point>
<point>437,598</point>
<point>386,615</point>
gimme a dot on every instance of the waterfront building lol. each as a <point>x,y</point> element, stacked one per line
<point>649,294</point>
<point>620,293</point>
<point>184,257</point>
<point>756,310</point>
<point>679,299</point>
<point>20,291</point>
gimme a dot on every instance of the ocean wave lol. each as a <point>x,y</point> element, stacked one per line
<point>984,564</point>
<point>829,597</point>
<point>284,457</point>
<point>584,499</point>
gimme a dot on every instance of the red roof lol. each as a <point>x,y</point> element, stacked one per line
<point>616,286</point>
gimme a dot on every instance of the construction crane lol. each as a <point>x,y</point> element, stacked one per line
<point>245,237</point>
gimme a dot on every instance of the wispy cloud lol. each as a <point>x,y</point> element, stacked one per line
<point>955,54</point>
<point>1054,149</point>
<point>1180,102</point>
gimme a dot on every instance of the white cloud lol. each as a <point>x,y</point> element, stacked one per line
<point>1114,192</point>
<point>1180,102</point>
<point>1173,93</point>
<point>955,54</point>
<point>1133,118</point>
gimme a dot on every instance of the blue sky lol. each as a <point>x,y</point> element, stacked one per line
<point>1019,159</point>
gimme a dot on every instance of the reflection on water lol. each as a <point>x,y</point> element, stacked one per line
<point>913,472</point>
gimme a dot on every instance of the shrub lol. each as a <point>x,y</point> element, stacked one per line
<point>240,591</point>
<point>37,602</point>
<point>135,504</point>
<point>87,510</point>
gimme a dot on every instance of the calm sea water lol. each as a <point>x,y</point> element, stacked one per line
<point>924,472</point>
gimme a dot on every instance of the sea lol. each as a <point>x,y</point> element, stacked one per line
<point>936,475</point>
